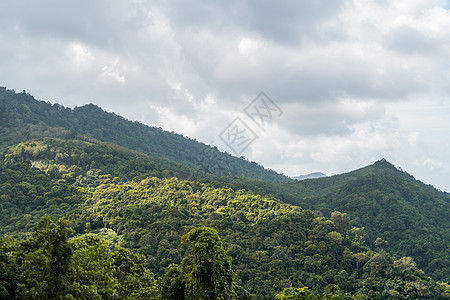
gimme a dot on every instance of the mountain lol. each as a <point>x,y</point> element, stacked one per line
<point>414,218</point>
<point>370,231</point>
<point>309,176</point>
<point>273,245</point>
<point>24,118</point>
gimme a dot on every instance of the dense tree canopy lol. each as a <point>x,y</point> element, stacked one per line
<point>48,265</point>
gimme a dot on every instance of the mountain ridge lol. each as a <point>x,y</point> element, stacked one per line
<point>25,117</point>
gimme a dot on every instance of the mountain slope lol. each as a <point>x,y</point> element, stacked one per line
<point>412,217</point>
<point>23,117</point>
<point>274,245</point>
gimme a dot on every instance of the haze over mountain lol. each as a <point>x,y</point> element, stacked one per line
<point>309,176</point>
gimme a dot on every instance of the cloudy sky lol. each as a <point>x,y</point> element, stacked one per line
<point>354,81</point>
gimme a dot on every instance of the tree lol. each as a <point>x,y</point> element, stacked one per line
<point>53,267</point>
<point>206,273</point>
<point>341,221</point>
<point>380,243</point>
<point>93,269</point>
<point>45,264</point>
<point>135,281</point>
<point>9,275</point>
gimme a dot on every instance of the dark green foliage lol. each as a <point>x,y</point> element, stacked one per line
<point>331,292</point>
<point>93,269</point>
<point>9,273</point>
<point>207,271</point>
<point>49,266</point>
<point>172,285</point>
<point>407,217</point>
<point>27,194</point>
<point>135,281</point>
<point>205,274</point>
<point>411,217</point>
<point>273,245</point>
<point>45,262</point>
<point>74,158</point>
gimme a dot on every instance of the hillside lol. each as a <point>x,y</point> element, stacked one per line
<point>369,231</point>
<point>412,217</point>
<point>390,204</point>
<point>23,118</point>
<point>274,245</point>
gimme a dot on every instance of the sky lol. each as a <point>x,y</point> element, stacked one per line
<point>344,82</point>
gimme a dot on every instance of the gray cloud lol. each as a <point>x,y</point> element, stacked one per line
<point>335,68</point>
<point>406,39</point>
<point>278,21</point>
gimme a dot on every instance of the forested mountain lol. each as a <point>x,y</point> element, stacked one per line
<point>414,218</point>
<point>23,118</point>
<point>365,234</point>
<point>400,213</point>
<point>273,245</point>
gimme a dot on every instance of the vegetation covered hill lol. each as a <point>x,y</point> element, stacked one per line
<point>413,218</point>
<point>273,245</point>
<point>23,118</point>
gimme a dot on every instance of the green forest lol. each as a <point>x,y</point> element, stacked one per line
<point>94,206</point>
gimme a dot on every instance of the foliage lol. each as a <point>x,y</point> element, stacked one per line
<point>409,217</point>
<point>135,281</point>
<point>400,214</point>
<point>331,292</point>
<point>9,273</point>
<point>45,262</point>
<point>204,274</point>
<point>48,265</point>
<point>28,194</point>
<point>273,245</point>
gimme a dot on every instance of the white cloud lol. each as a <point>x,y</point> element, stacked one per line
<point>110,73</point>
<point>414,138</point>
<point>429,163</point>
<point>79,55</point>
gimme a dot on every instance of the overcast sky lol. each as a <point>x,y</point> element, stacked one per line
<point>352,81</point>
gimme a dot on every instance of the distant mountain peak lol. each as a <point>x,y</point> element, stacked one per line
<point>309,176</point>
<point>383,163</point>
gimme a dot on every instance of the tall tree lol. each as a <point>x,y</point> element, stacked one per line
<point>206,273</point>
<point>45,264</point>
